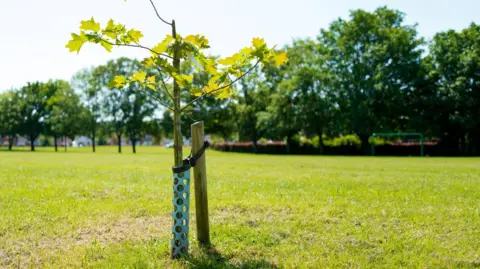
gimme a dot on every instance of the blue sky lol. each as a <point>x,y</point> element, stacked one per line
<point>34,32</point>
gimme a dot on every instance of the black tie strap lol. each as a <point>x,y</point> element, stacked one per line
<point>191,161</point>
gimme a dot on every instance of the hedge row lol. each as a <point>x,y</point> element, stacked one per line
<point>412,149</point>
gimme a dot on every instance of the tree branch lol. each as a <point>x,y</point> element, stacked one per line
<point>159,101</point>
<point>221,88</point>
<point>137,46</point>
<point>163,82</point>
<point>158,15</point>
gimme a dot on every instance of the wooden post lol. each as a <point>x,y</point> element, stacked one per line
<point>200,179</point>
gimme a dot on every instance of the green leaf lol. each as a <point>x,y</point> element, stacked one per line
<point>139,76</point>
<point>148,62</point>
<point>196,91</point>
<point>110,29</point>
<point>95,38</point>
<point>246,51</point>
<point>198,41</point>
<point>191,39</point>
<point>211,67</point>
<point>75,44</point>
<point>162,46</point>
<point>214,88</point>
<point>188,78</point>
<point>280,58</point>
<point>177,78</point>
<point>135,35</point>
<point>258,42</point>
<point>106,45</point>
<point>151,79</point>
<point>226,61</point>
<point>118,82</point>
<point>223,93</point>
<point>164,65</point>
<point>90,25</point>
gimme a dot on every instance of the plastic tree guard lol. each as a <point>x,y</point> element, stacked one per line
<point>181,209</point>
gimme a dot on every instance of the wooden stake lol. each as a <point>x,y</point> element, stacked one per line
<point>200,179</point>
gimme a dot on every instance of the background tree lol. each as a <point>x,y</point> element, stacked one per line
<point>166,124</point>
<point>33,99</point>
<point>88,84</point>
<point>10,118</point>
<point>137,108</point>
<point>153,127</point>
<point>252,93</point>
<point>375,59</point>
<point>218,114</point>
<point>281,117</point>
<point>65,111</point>
<point>309,85</point>
<point>455,65</point>
<point>115,100</point>
<point>220,119</point>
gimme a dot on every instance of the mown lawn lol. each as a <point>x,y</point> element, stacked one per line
<point>107,210</point>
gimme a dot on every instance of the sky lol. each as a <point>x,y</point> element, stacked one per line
<point>33,33</point>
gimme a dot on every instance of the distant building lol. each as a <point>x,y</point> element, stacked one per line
<point>82,141</point>
<point>19,141</point>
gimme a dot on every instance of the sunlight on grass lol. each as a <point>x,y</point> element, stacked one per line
<point>79,209</point>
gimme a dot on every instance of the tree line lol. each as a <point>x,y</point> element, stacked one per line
<point>369,73</point>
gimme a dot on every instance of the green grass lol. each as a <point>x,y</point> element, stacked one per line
<point>106,210</point>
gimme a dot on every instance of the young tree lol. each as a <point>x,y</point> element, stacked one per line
<point>167,57</point>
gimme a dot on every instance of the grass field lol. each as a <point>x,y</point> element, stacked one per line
<point>106,210</point>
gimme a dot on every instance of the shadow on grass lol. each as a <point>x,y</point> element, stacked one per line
<point>211,258</point>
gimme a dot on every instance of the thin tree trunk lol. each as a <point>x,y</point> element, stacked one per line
<point>119,143</point>
<point>94,129</point>
<point>254,141</point>
<point>55,142</point>
<point>32,141</point>
<point>365,145</point>
<point>177,125</point>
<point>65,142</point>
<point>10,142</point>
<point>321,147</point>
<point>134,141</point>
<point>289,144</point>
<point>93,142</point>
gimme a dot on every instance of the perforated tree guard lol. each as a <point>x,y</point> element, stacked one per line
<point>181,209</point>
